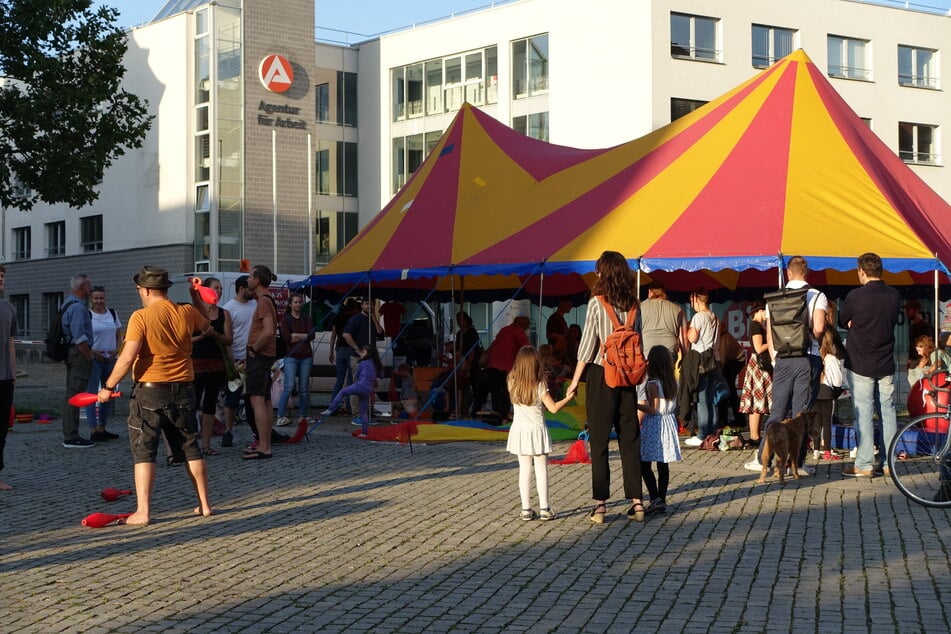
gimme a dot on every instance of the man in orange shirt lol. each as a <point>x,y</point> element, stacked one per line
<point>158,352</point>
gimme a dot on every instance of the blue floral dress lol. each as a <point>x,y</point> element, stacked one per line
<point>659,441</point>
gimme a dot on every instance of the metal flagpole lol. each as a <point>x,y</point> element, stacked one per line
<point>310,206</point>
<point>274,193</point>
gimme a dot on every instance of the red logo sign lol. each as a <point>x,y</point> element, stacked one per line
<point>276,73</point>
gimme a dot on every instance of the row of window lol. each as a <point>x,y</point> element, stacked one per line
<point>441,85</point>
<point>917,142</point>
<point>90,241</point>
<point>699,38</point>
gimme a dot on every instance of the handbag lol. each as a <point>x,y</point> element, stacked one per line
<point>764,362</point>
<point>707,362</point>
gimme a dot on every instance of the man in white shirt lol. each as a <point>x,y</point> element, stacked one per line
<point>242,308</point>
<point>796,379</point>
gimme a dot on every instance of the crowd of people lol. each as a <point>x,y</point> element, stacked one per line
<point>185,359</point>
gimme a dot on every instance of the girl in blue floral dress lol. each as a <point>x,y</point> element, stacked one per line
<point>659,441</point>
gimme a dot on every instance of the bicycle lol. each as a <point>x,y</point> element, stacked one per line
<point>919,456</point>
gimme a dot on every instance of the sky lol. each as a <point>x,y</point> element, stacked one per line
<point>365,17</point>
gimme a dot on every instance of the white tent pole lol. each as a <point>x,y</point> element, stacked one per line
<point>937,310</point>
<point>541,299</point>
<point>637,289</point>
<point>455,344</point>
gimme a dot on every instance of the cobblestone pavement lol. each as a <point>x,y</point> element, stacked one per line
<point>343,535</point>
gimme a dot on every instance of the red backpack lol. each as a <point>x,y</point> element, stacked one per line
<point>624,362</point>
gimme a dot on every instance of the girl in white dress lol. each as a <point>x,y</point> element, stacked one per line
<point>528,436</point>
<point>659,442</point>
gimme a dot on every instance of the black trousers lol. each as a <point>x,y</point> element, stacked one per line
<point>6,402</point>
<point>612,408</point>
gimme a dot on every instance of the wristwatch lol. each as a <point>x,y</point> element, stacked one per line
<point>111,389</point>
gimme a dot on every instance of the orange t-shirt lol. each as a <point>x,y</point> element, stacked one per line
<point>165,331</point>
<point>265,308</point>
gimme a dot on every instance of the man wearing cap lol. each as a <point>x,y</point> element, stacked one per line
<point>158,352</point>
<point>241,307</point>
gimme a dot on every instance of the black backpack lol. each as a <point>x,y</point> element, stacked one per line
<point>57,341</point>
<point>789,317</point>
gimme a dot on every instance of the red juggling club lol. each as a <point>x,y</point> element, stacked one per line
<point>208,295</point>
<point>82,399</point>
<point>98,520</point>
<point>111,495</point>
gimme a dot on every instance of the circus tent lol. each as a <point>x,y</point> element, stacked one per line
<point>778,166</point>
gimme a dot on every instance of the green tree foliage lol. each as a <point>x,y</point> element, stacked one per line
<point>64,118</point>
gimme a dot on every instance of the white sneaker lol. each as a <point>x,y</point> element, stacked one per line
<point>803,471</point>
<point>753,465</point>
<point>326,413</point>
<point>282,421</point>
<point>693,441</point>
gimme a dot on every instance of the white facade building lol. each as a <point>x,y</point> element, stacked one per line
<point>619,69</point>
<point>233,170</point>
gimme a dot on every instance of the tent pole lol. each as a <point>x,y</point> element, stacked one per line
<point>637,287</point>
<point>460,393</point>
<point>455,333</point>
<point>936,309</point>
<point>541,299</point>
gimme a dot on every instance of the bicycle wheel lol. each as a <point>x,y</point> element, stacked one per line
<point>920,461</point>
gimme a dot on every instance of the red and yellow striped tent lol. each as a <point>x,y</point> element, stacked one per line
<point>778,166</point>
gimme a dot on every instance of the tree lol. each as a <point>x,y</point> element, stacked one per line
<point>64,117</point>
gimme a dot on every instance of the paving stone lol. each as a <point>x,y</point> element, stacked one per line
<point>341,535</point>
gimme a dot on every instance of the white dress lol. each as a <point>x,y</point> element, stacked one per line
<point>659,441</point>
<point>528,435</point>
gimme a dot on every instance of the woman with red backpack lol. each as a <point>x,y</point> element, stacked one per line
<point>610,407</point>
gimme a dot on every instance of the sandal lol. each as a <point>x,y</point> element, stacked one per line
<point>527,515</point>
<point>598,513</point>
<point>636,512</point>
<point>256,455</point>
<point>208,451</point>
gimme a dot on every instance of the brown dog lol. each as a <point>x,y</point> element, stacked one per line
<point>783,441</point>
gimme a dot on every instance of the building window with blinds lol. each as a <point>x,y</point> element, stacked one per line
<point>770,44</point>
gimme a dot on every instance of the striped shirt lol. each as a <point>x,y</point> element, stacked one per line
<point>597,327</point>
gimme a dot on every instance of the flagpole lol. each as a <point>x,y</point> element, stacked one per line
<point>274,193</point>
<point>310,206</point>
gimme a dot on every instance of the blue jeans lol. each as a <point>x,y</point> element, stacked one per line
<point>706,410</point>
<point>795,387</point>
<point>865,401</point>
<point>97,377</point>
<point>296,372</point>
<point>342,364</point>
